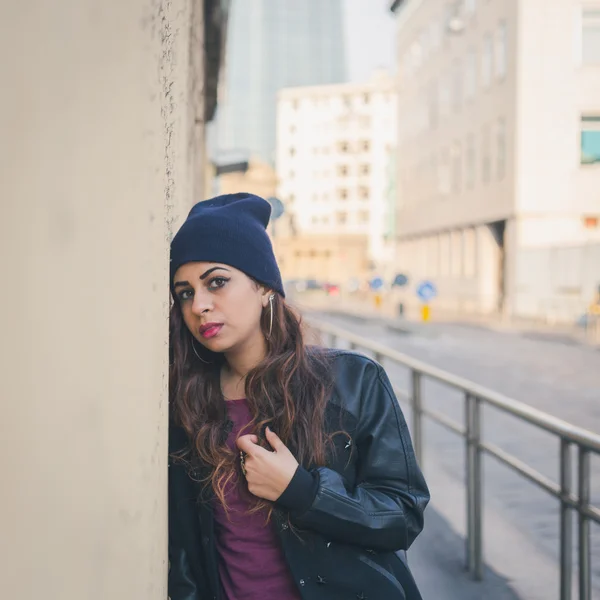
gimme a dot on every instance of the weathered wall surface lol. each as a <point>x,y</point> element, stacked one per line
<point>97,159</point>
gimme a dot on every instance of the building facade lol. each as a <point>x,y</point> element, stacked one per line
<point>272,44</point>
<point>334,148</point>
<point>499,153</point>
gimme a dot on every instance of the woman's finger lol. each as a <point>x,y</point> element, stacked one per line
<point>248,443</point>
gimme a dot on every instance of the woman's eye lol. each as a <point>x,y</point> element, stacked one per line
<point>217,282</point>
<point>185,295</point>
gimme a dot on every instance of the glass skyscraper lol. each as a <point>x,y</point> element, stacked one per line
<point>272,44</point>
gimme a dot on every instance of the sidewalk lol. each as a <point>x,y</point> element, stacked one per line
<point>363,309</point>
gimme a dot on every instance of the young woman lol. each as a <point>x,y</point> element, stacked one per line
<point>292,473</point>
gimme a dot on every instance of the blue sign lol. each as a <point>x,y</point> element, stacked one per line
<point>376,283</point>
<point>426,291</point>
<point>277,208</point>
<point>400,280</point>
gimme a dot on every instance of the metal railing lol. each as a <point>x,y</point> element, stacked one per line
<point>475,396</point>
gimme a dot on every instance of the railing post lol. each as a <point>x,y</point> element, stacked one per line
<point>566,522</point>
<point>585,581</point>
<point>417,415</point>
<point>474,488</point>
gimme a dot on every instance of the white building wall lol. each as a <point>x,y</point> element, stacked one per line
<point>507,151</point>
<point>333,148</point>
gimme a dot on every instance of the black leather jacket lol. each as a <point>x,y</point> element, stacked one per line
<point>353,520</point>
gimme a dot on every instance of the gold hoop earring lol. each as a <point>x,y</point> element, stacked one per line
<point>206,362</point>
<point>271,298</point>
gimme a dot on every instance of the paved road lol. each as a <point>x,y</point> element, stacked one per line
<point>521,521</point>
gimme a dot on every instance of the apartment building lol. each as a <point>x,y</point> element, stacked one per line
<point>498,172</point>
<point>335,144</point>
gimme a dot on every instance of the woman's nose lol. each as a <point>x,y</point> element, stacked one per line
<point>202,304</point>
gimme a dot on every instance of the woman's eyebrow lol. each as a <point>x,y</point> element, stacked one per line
<point>205,275</point>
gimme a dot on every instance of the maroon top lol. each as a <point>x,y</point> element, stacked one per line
<point>251,561</point>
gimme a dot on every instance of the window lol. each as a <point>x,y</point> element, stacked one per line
<point>436,34</point>
<point>292,151</point>
<point>501,51</point>
<point>295,104</point>
<point>314,220</point>
<point>590,140</point>
<point>291,198</point>
<point>456,241</point>
<point>347,101</point>
<point>365,145</point>
<point>444,96</point>
<point>431,180</point>
<point>486,62</point>
<point>342,193</point>
<point>292,129</point>
<point>590,36</point>
<point>366,98</point>
<point>456,167</point>
<point>470,7</point>
<point>469,253</point>
<point>363,192</point>
<point>470,74</point>
<point>500,149</point>
<point>445,254</point>
<point>486,158</point>
<point>342,170</point>
<point>365,169</point>
<point>444,173</point>
<point>470,162</point>
<point>343,147</point>
<point>433,106</point>
<point>341,217</point>
<point>457,83</point>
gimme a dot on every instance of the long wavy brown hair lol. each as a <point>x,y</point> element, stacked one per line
<point>288,391</point>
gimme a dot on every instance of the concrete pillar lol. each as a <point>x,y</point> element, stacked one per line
<point>94,173</point>
<point>488,270</point>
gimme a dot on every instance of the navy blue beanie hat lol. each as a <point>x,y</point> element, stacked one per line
<point>229,229</point>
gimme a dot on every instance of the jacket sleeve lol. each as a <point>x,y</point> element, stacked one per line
<point>384,510</point>
<point>182,585</point>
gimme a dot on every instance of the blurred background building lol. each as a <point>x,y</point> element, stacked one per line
<point>499,154</point>
<point>273,44</point>
<point>334,147</point>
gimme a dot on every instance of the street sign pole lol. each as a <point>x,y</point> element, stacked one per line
<point>426,291</point>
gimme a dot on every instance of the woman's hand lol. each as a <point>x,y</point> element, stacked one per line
<point>268,473</point>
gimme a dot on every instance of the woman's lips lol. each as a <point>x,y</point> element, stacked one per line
<point>210,330</point>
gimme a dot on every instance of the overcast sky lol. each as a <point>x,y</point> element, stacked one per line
<point>370,35</point>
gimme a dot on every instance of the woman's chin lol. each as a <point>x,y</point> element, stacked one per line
<point>216,345</point>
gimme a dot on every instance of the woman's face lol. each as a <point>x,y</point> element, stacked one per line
<point>221,306</point>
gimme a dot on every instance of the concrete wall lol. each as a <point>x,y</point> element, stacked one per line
<point>96,168</point>
<point>556,284</point>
